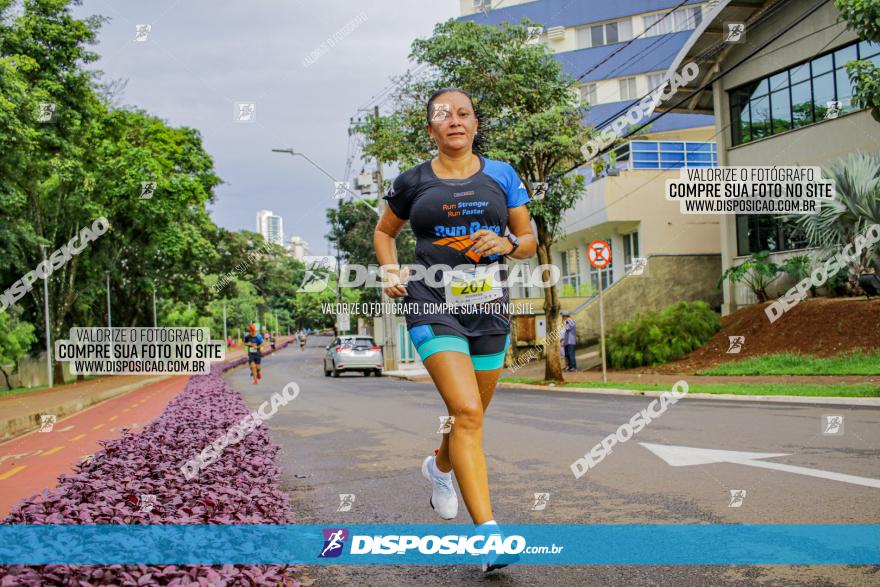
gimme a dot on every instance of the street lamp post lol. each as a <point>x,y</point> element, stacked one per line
<point>225,337</point>
<point>155,320</point>
<point>46,312</point>
<point>109,316</point>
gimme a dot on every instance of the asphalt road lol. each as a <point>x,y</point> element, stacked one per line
<point>368,436</point>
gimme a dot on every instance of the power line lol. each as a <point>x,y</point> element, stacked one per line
<point>722,130</point>
<point>707,84</point>
<point>698,58</point>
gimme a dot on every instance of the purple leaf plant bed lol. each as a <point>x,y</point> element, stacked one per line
<point>241,487</point>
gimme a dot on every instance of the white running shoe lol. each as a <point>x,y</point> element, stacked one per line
<point>444,500</point>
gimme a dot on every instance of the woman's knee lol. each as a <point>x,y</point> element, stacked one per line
<point>468,415</point>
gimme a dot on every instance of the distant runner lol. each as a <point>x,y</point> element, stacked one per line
<point>272,340</point>
<point>301,335</point>
<point>253,341</point>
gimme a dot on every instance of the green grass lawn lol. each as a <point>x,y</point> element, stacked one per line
<point>830,390</point>
<point>790,364</point>
<point>22,390</point>
<point>38,388</point>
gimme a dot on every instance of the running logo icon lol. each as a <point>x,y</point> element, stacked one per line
<point>833,109</point>
<point>334,541</point>
<point>148,188</point>
<point>346,500</point>
<point>46,112</point>
<point>446,423</point>
<point>736,344</point>
<point>737,497</point>
<point>146,503</point>
<point>832,425</point>
<point>736,32</point>
<point>317,274</point>
<point>541,500</point>
<point>47,421</point>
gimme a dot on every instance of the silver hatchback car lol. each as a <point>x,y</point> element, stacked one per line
<point>353,353</point>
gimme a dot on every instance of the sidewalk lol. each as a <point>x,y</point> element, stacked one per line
<point>33,460</point>
<point>409,374</point>
<point>20,412</point>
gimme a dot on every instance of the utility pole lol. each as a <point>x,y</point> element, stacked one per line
<point>389,350</point>
<point>155,320</point>
<point>109,317</point>
<point>46,312</point>
<point>225,336</point>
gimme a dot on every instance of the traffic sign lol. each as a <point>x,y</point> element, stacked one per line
<point>599,254</point>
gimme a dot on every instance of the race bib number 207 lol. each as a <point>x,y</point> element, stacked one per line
<point>471,286</point>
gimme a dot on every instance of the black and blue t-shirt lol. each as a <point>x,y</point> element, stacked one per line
<point>444,213</point>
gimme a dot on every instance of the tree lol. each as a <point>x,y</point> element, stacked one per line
<point>529,112</point>
<point>16,338</point>
<point>855,208</point>
<point>758,272</point>
<point>88,160</point>
<point>863,16</point>
<point>351,231</point>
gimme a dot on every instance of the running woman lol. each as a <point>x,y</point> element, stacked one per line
<point>464,210</point>
<point>253,342</point>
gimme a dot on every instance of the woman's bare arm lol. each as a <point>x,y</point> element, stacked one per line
<point>387,229</point>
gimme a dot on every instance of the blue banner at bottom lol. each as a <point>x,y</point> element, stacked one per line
<point>421,544</point>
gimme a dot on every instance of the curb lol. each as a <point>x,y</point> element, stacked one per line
<point>782,399</point>
<point>405,377</point>
<point>14,427</point>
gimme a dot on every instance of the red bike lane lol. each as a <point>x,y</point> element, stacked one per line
<point>32,462</point>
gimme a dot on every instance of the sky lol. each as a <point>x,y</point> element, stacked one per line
<point>203,57</point>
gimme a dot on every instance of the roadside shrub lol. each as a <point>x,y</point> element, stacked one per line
<point>655,337</point>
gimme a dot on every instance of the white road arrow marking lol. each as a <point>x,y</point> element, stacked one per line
<point>683,456</point>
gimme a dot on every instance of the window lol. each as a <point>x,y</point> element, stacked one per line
<point>625,30</point>
<point>589,94</point>
<point>683,19</point>
<point>571,278</point>
<point>627,88</point>
<point>801,95</point>
<point>654,80</point>
<point>655,24</point>
<point>630,249</point>
<point>758,232</point>
<point>672,154</point>
<point>598,35</point>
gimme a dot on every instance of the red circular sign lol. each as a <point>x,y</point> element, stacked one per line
<point>599,254</point>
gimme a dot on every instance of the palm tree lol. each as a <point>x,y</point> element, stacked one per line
<point>855,207</point>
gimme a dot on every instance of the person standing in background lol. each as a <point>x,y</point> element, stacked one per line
<point>569,340</point>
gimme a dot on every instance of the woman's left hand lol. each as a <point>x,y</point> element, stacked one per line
<point>488,243</point>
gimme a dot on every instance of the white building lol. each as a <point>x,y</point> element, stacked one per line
<point>271,226</point>
<point>298,247</point>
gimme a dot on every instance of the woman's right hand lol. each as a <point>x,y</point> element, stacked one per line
<point>394,282</point>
